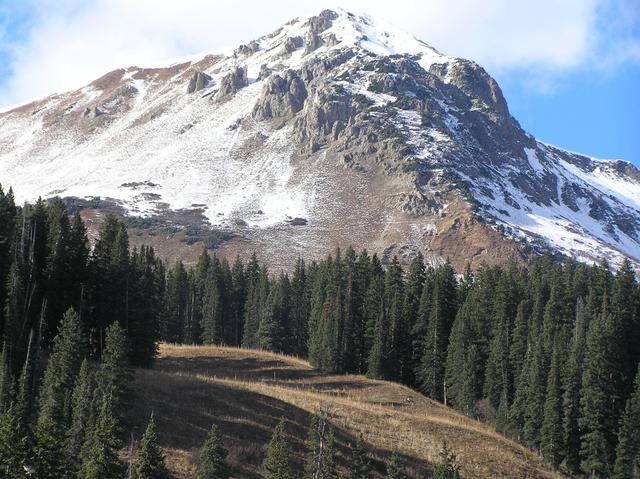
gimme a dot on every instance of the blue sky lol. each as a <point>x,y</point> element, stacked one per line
<point>587,112</point>
<point>570,69</point>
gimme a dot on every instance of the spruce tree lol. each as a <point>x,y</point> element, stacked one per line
<point>49,456</point>
<point>627,463</point>
<point>100,455</point>
<point>462,356</point>
<point>114,375</point>
<point>213,307</point>
<point>258,291</point>
<point>498,372</point>
<point>109,286</point>
<point>447,468</point>
<point>596,422</point>
<point>81,412</point>
<point>7,233</point>
<point>627,330</point>
<point>146,274</point>
<point>420,325</point>
<point>519,335</point>
<point>320,461</point>
<point>300,309</point>
<point>431,373</point>
<point>534,379</point>
<point>277,463</point>
<point>15,435</point>
<point>6,378</point>
<point>150,462</point>
<point>572,384</point>
<point>62,369</point>
<point>378,355</point>
<point>394,467</point>
<point>360,464</point>
<point>15,441</point>
<point>551,431</point>
<point>272,332</point>
<point>213,457</point>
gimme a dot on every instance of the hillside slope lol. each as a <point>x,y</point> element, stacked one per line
<point>333,130</point>
<point>246,392</point>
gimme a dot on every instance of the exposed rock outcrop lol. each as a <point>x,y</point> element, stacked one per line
<point>199,81</point>
<point>231,83</point>
<point>281,96</point>
<point>317,25</point>
<point>252,47</point>
<point>291,44</point>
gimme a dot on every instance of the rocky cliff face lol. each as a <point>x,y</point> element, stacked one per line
<point>333,130</point>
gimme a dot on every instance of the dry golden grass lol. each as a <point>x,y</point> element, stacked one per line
<point>246,392</point>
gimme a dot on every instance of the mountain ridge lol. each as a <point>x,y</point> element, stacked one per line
<point>332,130</point>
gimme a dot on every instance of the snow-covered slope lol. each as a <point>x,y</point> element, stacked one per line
<point>359,130</point>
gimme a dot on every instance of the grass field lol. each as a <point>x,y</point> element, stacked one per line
<point>246,392</point>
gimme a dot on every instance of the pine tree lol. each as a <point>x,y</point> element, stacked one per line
<point>62,369</point>
<point>100,457</point>
<point>81,412</point>
<point>627,330</point>
<point>394,467</point>
<point>378,355</point>
<point>213,457</point>
<point>551,431</point>
<point>150,463</point>
<point>461,367</point>
<point>503,423</point>
<point>627,463</point>
<point>175,314</point>
<point>145,283</point>
<point>237,300</point>
<point>273,331</point>
<point>572,384</point>
<point>277,463</point>
<point>258,291</point>
<point>7,234</point>
<point>398,358</point>
<point>300,309</point>
<point>49,458</point>
<point>213,306</point>
<point>431,373</point>
<point>114,375</point>
<point>109,281</point>
<point>447,468</point>
<point>360,463</point>
<point>533,379</point>
<point>320,461</point>
<point>596,422</point>
<point>498,375</point>
<point>6,378</point>
<point>420,325</point>
<point>373,304</point>
<point>519,335</point>
<point>15,437</point>
<point>411,309</point>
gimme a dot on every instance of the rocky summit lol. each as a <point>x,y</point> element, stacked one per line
<point>334,130</point>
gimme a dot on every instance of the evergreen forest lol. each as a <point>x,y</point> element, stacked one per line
<point>548,353</point>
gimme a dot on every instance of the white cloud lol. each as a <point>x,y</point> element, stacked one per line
<point>70,42</point>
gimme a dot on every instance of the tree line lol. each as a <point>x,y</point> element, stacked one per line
<point>547,353</point>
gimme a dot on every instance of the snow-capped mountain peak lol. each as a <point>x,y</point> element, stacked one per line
<point>335,129</point>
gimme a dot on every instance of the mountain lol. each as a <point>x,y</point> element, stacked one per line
<point>333,130</point>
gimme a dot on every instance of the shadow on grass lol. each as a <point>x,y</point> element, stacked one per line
<point>185,408</point>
